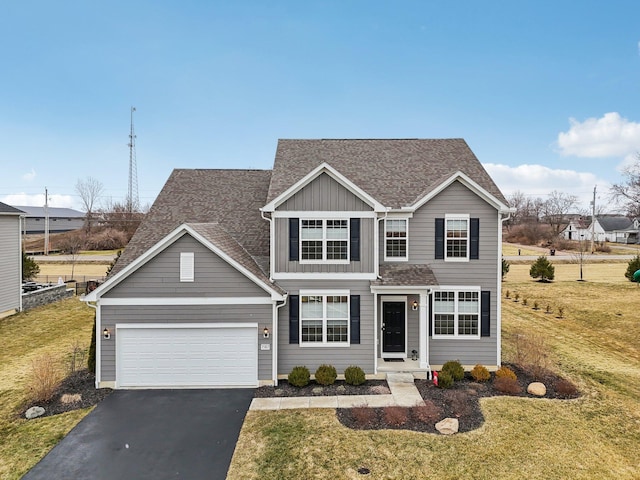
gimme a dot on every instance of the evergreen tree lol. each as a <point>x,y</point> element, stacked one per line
<point>543,269</point>
<point>633,267</point>
<point>29,267</point>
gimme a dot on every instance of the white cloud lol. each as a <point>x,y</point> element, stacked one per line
<point>609,136</point>
<point>29,175</point>
<point>540,181</point>
<point>37,200</point>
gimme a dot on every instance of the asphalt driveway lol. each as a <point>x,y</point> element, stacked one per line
<point>151,434</point>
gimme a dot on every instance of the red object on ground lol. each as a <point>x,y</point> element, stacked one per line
<point>435,378</point>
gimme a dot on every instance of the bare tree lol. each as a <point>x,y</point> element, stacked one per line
<point>89,190</point>
<point>628,192</point>
<point>117,216</point>
<point>556,208</point>
<point>71,244</point>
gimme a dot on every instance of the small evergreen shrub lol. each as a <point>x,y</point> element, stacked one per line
<point>535,306</point>
<point>507,385</point>
<point>548,309</point>
<point>516,297</point>
<point>454,368</point>
<point>299,376</point>
<point>445,380</point>
<point>91,360</point>
<point>632,267</point>
<point>354,375</point>
<point>560,312</point>
<point>326,374</point>
<point>505,268</point>
<point>480,373</point>
<point>506,372</point>
<point>542,268</point>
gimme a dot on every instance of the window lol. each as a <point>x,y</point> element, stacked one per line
<point>187,267</point>
<point>457,238</point>
<point>324,240</point>
<point>395,233</point>
<point>324,319</point>
<point>456,314</point>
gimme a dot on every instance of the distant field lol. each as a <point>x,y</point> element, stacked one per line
<point>591,272</point>
<point>82,269</point>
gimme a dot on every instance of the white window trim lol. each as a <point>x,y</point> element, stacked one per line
<point>465,217</point>
<point>456,335</point>
<point>324,294</point>
<point>187,267</point>
<point>406,239</point>
<point>324,260</point>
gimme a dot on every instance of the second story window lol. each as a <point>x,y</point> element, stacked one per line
<point>324,240</point>
<point>457,238</point>
<point>395,233</point>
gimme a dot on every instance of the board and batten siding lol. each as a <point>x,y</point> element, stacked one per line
<point>10,263</point>
<point>112,314</point>
<point>361,355</point>
<point>160,277</point>
<point>324,194</point>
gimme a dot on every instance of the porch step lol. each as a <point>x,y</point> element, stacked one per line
<point>400,377</point>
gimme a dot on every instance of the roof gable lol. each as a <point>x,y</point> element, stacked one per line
<point>9,210</point>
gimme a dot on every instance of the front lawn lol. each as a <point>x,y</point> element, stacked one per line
<point>51,329</point>
<point>596,345</point>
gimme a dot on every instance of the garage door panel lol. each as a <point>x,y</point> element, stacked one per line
<point>187,357</point>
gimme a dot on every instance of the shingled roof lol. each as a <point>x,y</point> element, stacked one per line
<point>9,210</point>
<point>231,198</point>
<point>394,172</point>
<point>405,276</point>
<point>610,223</point>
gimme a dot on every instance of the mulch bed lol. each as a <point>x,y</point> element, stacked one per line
<point>81,382</point>
<point>340,387</point>
<point>461,401</point>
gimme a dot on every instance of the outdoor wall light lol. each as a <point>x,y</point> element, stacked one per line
<point>106,334</point>
<point>265,332</point>
<point>414,305</point>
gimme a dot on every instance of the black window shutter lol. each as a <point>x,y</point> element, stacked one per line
<point>355,319</point>
<point>439,238</point>
<point>430,314</point>
<point>294,236</point>
<point>474,237</point>
<point>485,313</point>
<point>294,318</point>
<point>354,239</point>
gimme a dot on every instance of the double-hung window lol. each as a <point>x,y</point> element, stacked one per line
<point>456,314</point>
<point>324,240</point>
<point>324,319</point>
<point>395,238</point>
<point>457,238</point>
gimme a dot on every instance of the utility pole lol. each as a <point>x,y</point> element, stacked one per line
<point>132,195</point>
<point>46,221</point>
<point>593,217</point>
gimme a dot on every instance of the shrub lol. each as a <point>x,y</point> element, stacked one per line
<point>44,378</point>
<point>507,385</point>
<point>505,268</point>
<point>560,312</point>
<point>395,416</point>
<point>454,368</point>
<point>363,416</point>
<point>427,413</point>
<point>507,294</point>
<point>531,353</point>
<point>548,309</point>
<point>354,375</point>
<point>299,376</point>
<point>543,269</point>
<point>603,247</point>
<point>445,380</point>
<point>480,373</point>
<point>536,306</point>
<point>525,302</point>
<point>505,372</point>
<point>75,358</point>
<point>632,267</point>
<point>29,267</point>
<point>326,374</point>
<point>516,297</point>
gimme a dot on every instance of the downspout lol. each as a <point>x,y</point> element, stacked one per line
<point>274,342</point>
<point>21,218</point>
<point>376,256</point>
<point>98,344</point>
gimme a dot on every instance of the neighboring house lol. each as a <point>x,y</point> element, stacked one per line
<point>577,229</point>
<point>60,219</point>
<point>10,260</point>
<point>348,252</point>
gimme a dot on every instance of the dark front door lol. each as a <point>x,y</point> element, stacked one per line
<point>393,334</point>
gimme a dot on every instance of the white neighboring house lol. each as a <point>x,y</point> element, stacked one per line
<point>605,228</point>
<point>10,260</point>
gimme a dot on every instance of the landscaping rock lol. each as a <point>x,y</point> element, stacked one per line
<point>71,398</point>
<point>317,390</point>
<point>380,390</point>
<point>537,388</point>
<point>34,412</point>
<point>448,426</point>
<point>341,389</point>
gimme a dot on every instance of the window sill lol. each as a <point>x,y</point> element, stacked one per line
<point>456,337</point>
<point>325,345</point>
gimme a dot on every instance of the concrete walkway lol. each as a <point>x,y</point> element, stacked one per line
<point>403,393</point>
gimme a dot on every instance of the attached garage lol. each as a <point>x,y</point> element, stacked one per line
<point>175,355</point>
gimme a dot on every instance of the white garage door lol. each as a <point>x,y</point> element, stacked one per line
<point>194,355</point>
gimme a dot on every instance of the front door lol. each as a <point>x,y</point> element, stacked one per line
<point>393,329</point>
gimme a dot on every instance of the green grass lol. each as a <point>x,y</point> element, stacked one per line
<point>596,345</point>
<point>23,337</point>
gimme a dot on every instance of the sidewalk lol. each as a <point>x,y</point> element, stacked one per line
<point>403,394</point>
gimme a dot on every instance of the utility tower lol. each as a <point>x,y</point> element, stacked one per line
<point>133,200</point>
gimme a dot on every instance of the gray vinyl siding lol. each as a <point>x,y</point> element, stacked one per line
<point>112,314</point>
<point>483,273</point>
<point>160,277</point>
<point>362,355</point>
<point>10,263</point>
<point>283,264</point>
<point>324,194</point>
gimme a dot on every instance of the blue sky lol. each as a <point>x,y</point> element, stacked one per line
<point>545,92</point>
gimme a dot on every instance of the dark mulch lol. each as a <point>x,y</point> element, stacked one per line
<point>461,401</point>
<point>81,382</point>
<point>340,387</point>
